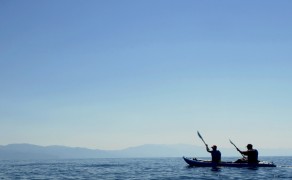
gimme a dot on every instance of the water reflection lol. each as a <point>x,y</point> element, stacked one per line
<point>215,169</point>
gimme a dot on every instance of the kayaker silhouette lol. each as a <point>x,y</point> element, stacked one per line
<point>215,154</point>
<point>252,155</point>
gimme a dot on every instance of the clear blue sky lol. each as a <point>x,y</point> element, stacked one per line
<point>112,74</point>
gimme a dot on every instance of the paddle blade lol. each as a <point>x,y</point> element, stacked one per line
<point>201,138</point>
<point>199,135</point>
<point>231,142</point>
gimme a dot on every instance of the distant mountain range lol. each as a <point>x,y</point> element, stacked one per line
<point>29,151</point>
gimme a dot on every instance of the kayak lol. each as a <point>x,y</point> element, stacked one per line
<point>203,163</point>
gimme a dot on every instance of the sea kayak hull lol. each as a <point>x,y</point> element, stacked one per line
<point>202,163</point>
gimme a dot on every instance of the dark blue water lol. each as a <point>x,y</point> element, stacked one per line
<point>137,168</point>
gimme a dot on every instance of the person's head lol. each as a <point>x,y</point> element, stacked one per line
<point>249,146</point>
<point>214,147</point>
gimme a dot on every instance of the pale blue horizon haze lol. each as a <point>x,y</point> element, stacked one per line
<point>115,74</point>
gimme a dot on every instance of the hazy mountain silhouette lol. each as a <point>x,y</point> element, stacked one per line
<point>29,151</point>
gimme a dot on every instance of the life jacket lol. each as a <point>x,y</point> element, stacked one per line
<point>216,156</point>
<point>252,156</point>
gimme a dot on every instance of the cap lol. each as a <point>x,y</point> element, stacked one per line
<point>214,146</point>
<point>249,145</point>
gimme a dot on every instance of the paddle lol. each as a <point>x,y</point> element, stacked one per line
<point>236,147</point>
<point>202,138</point>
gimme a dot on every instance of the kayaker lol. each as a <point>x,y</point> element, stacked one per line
<point>252,155</point>
<point>216,154</point>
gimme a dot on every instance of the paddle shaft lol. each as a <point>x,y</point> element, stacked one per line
<point>236,148</point>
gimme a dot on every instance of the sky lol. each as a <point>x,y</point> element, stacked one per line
<point>110,74</point>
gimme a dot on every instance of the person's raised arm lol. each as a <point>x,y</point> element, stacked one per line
<point>207,148</point>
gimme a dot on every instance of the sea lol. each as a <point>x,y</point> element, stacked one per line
<point>138,168</point>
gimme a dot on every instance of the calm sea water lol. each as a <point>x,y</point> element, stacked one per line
<point>137,168</point>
